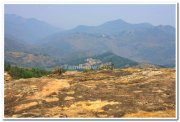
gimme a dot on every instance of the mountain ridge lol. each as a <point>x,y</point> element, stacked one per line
<point>141,42</point>
<point>28,29</point>
<point>145,38</point>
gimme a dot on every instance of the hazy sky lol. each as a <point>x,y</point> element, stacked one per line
<point>70,15</point>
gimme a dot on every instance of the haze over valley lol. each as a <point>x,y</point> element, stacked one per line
<point>37,41</point>
<point>90,61</point>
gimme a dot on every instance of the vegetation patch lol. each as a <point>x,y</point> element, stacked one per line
<point>17,72</point>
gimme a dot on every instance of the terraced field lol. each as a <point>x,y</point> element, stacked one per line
<point>121,93</point>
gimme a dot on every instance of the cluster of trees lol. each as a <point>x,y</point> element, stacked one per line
<point>17,72</point>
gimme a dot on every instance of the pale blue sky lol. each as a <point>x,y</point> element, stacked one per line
<point>70,15</point>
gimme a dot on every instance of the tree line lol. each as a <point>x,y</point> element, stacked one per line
<point>19,72</point>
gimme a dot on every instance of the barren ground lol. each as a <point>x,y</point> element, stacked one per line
<point>129,92</point>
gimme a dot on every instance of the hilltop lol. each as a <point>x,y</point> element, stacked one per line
<point>128,92</point>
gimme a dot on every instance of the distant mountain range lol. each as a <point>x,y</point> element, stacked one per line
<point>141,42</point>
<point>29,30</point>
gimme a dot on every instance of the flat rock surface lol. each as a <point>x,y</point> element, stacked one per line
<point>130,92</point>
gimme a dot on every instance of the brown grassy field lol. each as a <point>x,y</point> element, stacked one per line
<point>121,93</point>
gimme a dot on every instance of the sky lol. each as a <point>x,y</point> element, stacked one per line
<point>68,16</point>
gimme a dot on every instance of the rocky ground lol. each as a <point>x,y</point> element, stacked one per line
<point>130,92</point>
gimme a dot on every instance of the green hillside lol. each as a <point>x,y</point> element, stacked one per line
<point>118,61</point>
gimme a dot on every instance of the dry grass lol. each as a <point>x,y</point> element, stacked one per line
<point>130,92</point>
<point>25,106</point>
<point>53,86</point>
<point>158,114</point>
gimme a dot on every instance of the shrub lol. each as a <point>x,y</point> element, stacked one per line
<point>88,70</point>
<point>59,71</point>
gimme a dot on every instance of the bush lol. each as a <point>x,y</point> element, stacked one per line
<point>59,71</point>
